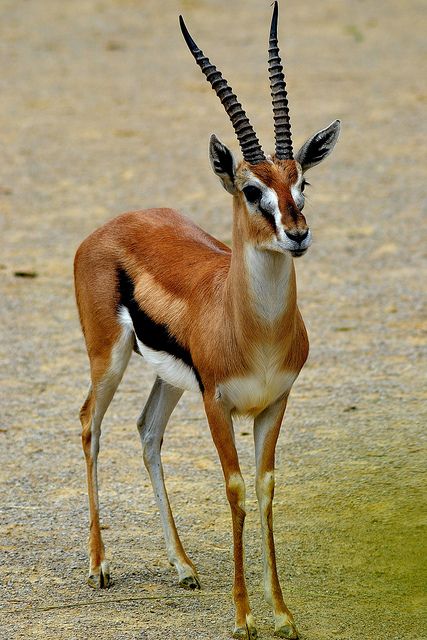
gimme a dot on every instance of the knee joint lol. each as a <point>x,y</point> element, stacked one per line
<point>236,490</point>
<point>151,449</point>
<point>265,484</point>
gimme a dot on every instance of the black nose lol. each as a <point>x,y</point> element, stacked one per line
<point>297,237</point>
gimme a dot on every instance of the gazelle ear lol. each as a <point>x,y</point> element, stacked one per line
<point>222,163</point>
<point>318,146</point>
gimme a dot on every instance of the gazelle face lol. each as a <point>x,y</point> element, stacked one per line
<point>272,196</point>
<point>270,193</point>
<point>268,190</point>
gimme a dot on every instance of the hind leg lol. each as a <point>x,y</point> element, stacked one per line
<point>107,369</point>
<point>151,426</point>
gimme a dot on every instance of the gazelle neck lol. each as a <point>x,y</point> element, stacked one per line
<point>261,283</point>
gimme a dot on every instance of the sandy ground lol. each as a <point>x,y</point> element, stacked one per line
<point>102,110</point>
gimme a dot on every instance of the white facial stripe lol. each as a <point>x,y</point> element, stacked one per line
<point>297,195</point>
<point>269,201</point>
<point>269,198</point>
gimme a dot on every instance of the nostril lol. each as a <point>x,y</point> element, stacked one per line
<point>297,237</point>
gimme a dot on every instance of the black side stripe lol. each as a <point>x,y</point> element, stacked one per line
<point>153,334</point>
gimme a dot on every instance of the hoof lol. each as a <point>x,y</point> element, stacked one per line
<point>252,633</point>
<point>245,633</point>
<point>287,631</point>
<point>100,578</point>
<point>190,582</point>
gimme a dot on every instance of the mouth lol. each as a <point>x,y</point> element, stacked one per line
<point>298,253</point>
<point>296,249</point>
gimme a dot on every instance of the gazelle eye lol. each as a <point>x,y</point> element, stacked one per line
<point>304,184</point>
<point>252,194</point>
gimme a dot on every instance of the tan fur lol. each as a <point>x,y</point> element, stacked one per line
<point>149,293</point>
<point>200,290</point>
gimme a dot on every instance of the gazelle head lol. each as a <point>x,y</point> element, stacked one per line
<point>269,190</point>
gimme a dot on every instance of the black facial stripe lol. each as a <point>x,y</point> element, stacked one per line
<point>152,334</point>
<point>269,217</point>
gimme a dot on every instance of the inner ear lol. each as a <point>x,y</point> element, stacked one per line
<point>223,163</point>
<point>319,146</point>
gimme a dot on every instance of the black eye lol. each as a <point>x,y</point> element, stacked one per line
<point>304,184</point>
<point>252,194</point>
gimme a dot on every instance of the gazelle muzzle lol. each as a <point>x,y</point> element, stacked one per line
<point>297,243</point>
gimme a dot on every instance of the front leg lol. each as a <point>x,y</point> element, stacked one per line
<point>221,427</point>
<point>266,431</point>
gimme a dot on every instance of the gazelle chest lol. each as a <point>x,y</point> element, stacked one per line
<point>261,385</point>
<point>270,277</point>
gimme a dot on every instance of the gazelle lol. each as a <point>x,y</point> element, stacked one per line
<point>222,322</point>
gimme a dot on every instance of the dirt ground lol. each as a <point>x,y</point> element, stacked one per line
<point>102,110</point>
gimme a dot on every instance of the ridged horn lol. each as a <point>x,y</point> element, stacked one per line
<point>249,143</point>
<point>282,125</point>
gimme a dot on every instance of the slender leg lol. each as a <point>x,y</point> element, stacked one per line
<point>221,427</point>
<point>266,431</point>
<point>107,371</point>
<point>151,426</point>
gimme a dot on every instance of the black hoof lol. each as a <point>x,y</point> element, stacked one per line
<point>190,582</point>
<point>101,580</point>
<point>287,631</point>
<point>245,633</point>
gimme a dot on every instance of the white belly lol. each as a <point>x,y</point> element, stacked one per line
<point>170,369</point>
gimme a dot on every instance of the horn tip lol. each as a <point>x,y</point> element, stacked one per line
<point>274,19</point>
<point>188,39</point>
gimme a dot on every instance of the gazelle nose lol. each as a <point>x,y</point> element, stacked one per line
<point>297,237</point>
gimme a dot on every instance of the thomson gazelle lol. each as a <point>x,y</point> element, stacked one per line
<point>221,321</point>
